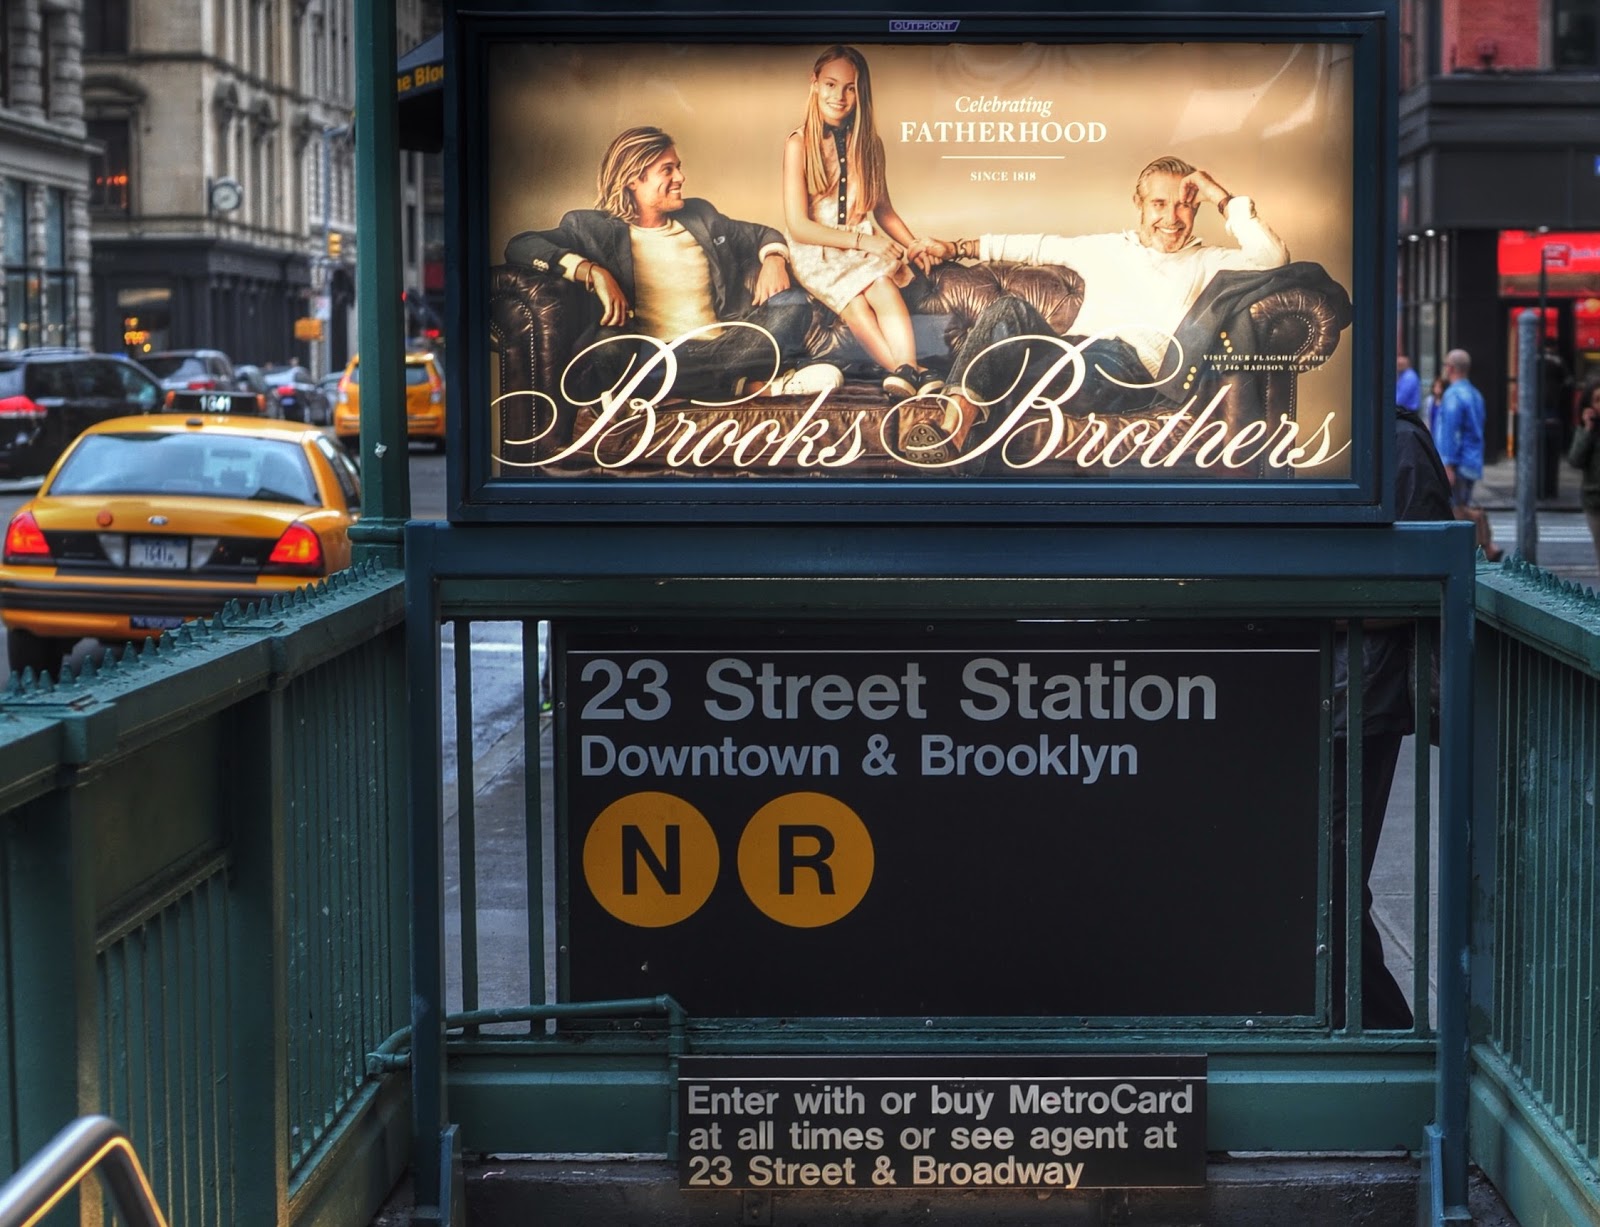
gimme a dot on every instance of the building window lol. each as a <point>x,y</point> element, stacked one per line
<point>1577,34</point>
<point>111,172</point>
<point>146,319</point>
<point>60,288</point>
<point>105,27</point>
<point>14,205</point>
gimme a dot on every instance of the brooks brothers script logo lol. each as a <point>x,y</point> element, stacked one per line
<point>1031,420</point>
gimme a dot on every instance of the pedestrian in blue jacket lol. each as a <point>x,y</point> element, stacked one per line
<point>1458,431</point>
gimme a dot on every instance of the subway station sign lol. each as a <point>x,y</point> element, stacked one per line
<point>952,1122</point>
<point>1109,820</point>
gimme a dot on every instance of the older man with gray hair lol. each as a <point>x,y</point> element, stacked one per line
<point>1138,285</point>
<point>1458,429</point>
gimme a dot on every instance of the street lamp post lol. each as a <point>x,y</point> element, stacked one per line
<point>1550,255</point>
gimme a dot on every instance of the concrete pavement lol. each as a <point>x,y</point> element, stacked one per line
<point>1565,547</point>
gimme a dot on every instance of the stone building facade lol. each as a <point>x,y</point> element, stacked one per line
<point>225,128</point>
<point>44,176</point>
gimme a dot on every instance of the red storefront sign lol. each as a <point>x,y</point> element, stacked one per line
<point>1565,252</point>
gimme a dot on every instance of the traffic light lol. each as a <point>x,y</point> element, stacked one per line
<point>335,244</point>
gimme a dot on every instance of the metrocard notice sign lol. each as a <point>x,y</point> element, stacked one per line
<point>1074,819</point>
<point>946,1122</point>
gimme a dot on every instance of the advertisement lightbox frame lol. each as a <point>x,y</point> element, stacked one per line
<point>480,490</point>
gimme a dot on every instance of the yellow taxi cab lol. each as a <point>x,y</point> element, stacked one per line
<point>424,402</point>
<point>146,522</point>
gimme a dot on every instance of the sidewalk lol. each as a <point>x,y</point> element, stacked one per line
<point>1565,548</point>
<point>1497,489</point>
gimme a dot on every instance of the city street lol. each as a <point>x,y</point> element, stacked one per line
<point>427,502</point>
<point>1564,544</point>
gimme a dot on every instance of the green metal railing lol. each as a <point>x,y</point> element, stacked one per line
<point>343,928</point>
<point>166,1065</point>
<point>204,913</point>
<point>605,1085</point>
<point>1536,1018</point>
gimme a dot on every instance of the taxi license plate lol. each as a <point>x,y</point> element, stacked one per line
<point>159,553</point>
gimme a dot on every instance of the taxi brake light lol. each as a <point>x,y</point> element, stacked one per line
<point>299,551</point>
<point>24,541</point>
<point>202,385</point>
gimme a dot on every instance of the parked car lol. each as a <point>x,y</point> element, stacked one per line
<point>48,396</point>
<point>303,398</point>
<point>253,379</point>
<point>146,522</point>
<point>204,381</point>
<point>424,402</point>
<point>192,370</point>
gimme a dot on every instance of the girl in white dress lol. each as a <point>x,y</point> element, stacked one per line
<point>847,245</point>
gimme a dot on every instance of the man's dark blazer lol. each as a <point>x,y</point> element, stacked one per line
<point>733,249</point>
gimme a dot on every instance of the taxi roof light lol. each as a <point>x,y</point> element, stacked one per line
<point>24,540</point>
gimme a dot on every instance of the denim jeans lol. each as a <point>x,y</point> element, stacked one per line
<point>710,369</point>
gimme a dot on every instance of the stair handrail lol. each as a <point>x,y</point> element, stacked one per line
<point>72,1154</point>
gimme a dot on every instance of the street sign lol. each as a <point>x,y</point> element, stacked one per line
<point>322,307</point>
<point>942,1122</point>
<point>1087,801</point>
<point>308,328</point>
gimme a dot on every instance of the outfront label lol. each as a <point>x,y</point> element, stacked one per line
<point>1072,819</point>
<point>1049,1123</point>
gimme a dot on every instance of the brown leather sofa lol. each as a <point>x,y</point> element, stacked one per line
<point>536,321</point>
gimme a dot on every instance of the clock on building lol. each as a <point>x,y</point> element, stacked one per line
<point>226,195</point>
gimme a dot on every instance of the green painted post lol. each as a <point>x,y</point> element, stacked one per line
<point>385,472</point>
<point>258,814</point>
<point>49,898</point>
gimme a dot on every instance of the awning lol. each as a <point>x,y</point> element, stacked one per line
<point>419,88</point>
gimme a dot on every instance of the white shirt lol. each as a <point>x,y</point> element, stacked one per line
<point>1135,292</point>
<point>671,282</point>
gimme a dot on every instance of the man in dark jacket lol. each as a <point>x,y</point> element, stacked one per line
<point>667,268</point>
<point>1422,492</point>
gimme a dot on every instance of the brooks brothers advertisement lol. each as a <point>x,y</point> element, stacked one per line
<point>1047,262</point>
<point>910,822</point>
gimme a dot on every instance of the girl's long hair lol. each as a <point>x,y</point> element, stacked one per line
<point>864,150</point>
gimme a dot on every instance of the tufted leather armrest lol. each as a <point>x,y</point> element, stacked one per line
<point>1299,322</point>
